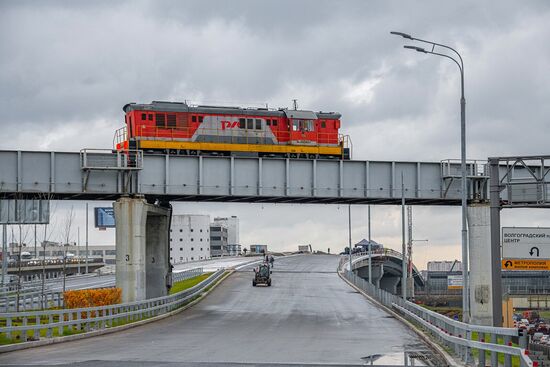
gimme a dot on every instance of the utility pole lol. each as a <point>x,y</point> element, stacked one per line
<point>78,249</point>
<point>4,253</point>
<point>35,251</point>
<point>410,249</point>
<point>19,263</point>
<point>370,245</point>
<point>403,245</point>
<point>295,103</point>
<point>349,239</point>
<point>44,268</point>
<point>86,238</point>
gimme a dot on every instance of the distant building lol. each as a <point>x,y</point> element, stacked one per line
<point>232,225</point>
<point>56,250</point>
<point>218,240</point>
<point>234,250</point>
<point>189,238</point>
<point>258,249</point>
<point>304,248</point>
<point>445,266</point>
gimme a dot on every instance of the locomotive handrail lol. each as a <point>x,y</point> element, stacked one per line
<point>106,159</point>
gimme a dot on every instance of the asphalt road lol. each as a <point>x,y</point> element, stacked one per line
<point>308,316</point>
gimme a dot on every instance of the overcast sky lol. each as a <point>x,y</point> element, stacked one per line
<point>68,67</point>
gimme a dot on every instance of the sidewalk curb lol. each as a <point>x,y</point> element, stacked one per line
<point>448,358</point>
<point>91,334</point>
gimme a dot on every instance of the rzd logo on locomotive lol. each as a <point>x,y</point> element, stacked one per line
<point>229,124</point>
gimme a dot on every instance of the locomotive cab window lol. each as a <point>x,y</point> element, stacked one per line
<point>201,118</point>
<point>250,124</point>
<point>323,124</point>
<point>161,121</point>
<point>258,124</point>
<point>274,122</point>
<point>143,116</point>
<point>193,118</point>
<point>150,117</point>
<point>171,121</point>
<point>302,125</point>
<point>268,122</point>
<point>242,123</point>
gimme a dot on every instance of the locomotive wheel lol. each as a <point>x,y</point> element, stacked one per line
<point>192,152</point>
<point>311,156</point>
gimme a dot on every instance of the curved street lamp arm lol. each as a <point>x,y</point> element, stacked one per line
<point>447,56</point>
<point>444,46</point>
<point>459,68</point>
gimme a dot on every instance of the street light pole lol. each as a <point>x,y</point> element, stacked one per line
<point>403,245</point>
<point>370,246</point>
<point>464,198</point>
<point>349,239</point>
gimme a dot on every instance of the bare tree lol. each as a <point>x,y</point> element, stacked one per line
<point>66,232</point>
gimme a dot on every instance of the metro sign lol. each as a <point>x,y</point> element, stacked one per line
<point>229,124</point>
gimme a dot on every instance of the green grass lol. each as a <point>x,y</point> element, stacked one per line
<point>188,283</point>
<point>545,314</point>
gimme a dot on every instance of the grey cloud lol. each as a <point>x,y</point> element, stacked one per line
<point>67,68</point>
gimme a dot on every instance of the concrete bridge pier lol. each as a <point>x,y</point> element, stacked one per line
<point>142,249</point>
<point>377,273</point>
<point>389,284</point>
<point>481,288</point>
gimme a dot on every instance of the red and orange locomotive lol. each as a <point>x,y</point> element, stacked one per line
<point>178,128</point>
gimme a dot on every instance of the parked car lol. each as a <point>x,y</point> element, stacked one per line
<point>537,337</point>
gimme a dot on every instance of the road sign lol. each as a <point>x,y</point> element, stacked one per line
<point>104,217</point>
<point>525,243</point>
<point>454,281</point>
<point>523,264</point>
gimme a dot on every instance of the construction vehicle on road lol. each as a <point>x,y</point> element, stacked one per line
<point>262,275</point>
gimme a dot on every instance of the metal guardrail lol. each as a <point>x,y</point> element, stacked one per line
<point>455,335</point>
<point>104,159</point>
<point>178,277</point>
<point>51,322</point>
<point>474,167</point>
<point>31,298</point>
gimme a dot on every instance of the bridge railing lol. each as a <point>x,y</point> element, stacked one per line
<point>187,274</point>
<point>31,298</point>
<point>35,325</point>
<point>465,340</point>
<point>104,159</point>
<point>379,252</point>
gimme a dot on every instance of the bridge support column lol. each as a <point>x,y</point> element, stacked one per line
<point>142,249</point>
<point>481,288</point>
<point>389,284</point>
<point>377,274</point>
